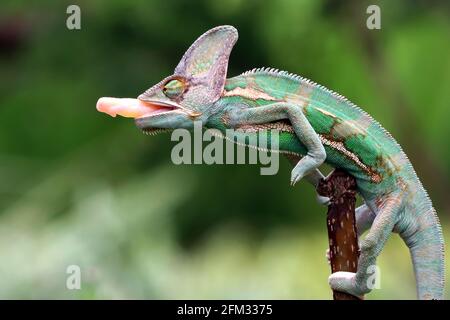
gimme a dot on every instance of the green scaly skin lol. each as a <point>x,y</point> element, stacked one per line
<point>316,125</point>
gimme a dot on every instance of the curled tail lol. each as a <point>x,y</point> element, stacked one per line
<point>426,245</point>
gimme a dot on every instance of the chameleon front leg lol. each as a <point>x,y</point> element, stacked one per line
<point>313,178</point>
<point>282,110</point>
<point>357,284</point>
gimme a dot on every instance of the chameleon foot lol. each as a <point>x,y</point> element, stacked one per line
<point>346,282</point>
<point>295,177</point>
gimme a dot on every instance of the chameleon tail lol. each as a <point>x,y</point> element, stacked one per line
<point>427,252</point>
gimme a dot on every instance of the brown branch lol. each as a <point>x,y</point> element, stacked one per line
<point>340,187</point>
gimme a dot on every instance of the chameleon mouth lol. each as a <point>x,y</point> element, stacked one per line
<point>157,107</point>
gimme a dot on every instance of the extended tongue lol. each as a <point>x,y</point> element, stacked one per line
<point>125,107</point>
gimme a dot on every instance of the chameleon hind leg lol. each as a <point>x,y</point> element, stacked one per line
<point>364,218</point>
<point>358,283</point>
<point>315,155</point>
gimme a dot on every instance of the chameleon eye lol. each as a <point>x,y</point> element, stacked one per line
<point>174,88</point>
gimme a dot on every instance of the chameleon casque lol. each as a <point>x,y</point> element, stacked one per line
<point>315,125</point>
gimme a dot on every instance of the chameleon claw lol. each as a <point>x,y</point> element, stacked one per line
<point>295,178</point>
<point>323,200</point>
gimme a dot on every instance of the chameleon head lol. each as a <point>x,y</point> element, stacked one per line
<point>184,97</point>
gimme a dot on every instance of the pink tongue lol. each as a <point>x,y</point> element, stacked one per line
<point>125,107</point>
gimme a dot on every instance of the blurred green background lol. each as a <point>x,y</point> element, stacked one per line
<point>80,188</point>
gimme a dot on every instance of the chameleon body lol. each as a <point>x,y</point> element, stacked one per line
<point>315,126</point>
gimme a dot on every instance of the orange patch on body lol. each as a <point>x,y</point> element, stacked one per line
<point>249,93</point>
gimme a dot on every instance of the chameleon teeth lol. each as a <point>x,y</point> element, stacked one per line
<point>152,132</point>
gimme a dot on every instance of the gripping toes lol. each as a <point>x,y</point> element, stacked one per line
<point>346,282</point>
<point>307,164</point>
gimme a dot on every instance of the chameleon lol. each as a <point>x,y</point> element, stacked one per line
<point>316,126</point>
